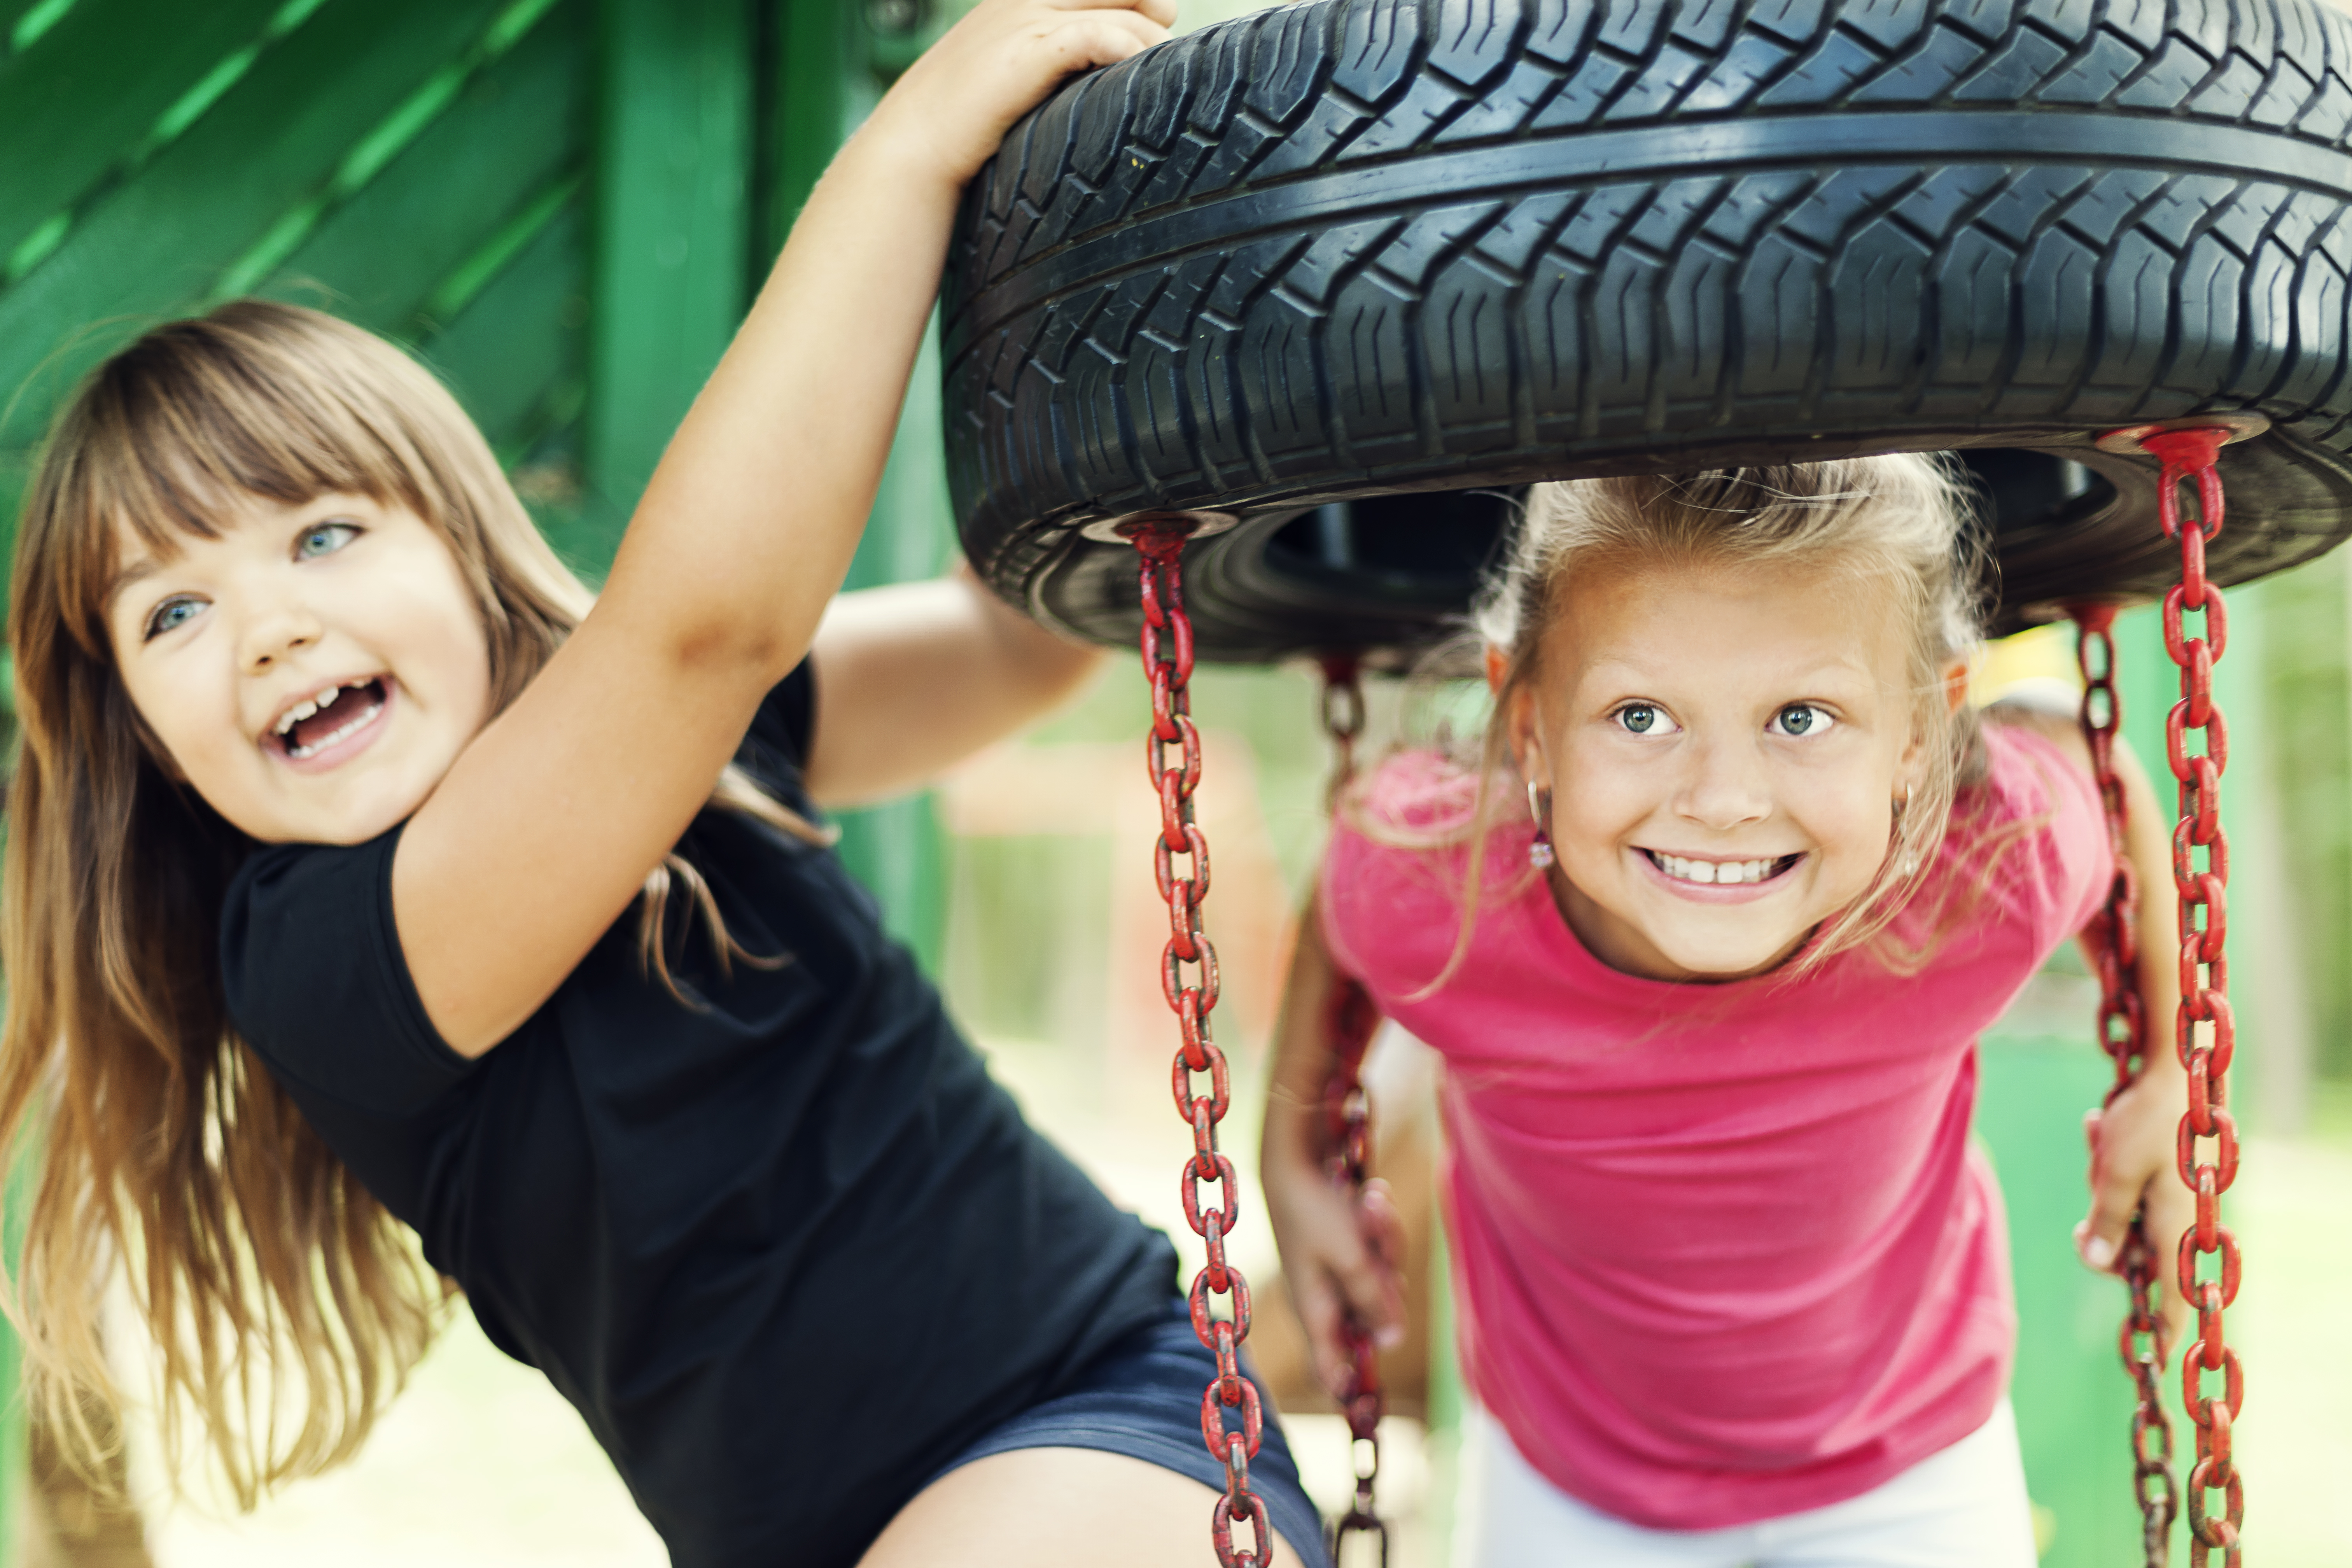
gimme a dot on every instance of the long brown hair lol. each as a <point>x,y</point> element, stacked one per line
<point>163,1144</point>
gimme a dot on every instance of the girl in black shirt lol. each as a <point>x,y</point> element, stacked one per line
<point>362,870</point>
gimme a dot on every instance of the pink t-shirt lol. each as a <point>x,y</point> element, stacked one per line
<point>1723,1252</point>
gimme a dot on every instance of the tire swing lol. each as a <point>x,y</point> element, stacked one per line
<point>1257,304</point>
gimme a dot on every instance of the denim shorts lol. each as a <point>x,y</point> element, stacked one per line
<point>1142,1399</point>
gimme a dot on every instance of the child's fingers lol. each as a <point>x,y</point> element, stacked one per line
<point>2114,1198</point>
<point>1164,12</point>
<point>1105,38</point>
<point>2172,1209</point>
<point>1321,1313</point>
<point>1384,1234</point>
<point>1367,1273</point>
<point>955,103</point>
<point>1080,41</point>
<point>1383,1226</point>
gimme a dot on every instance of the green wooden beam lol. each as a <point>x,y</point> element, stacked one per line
<point>671,228</point>
<point>406,253</point>
<point>78,103</point>
<point>828,65</point>
<point>159,243</point>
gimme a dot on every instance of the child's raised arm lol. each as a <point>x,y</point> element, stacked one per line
<point>548,824</point>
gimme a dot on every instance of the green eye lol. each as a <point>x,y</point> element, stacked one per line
<point>1800,718</point>
<point>1638,717</point>
<point>323,539</point>
<point>171,615</point>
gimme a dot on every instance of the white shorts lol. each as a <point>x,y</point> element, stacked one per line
<point>1962,1507</point>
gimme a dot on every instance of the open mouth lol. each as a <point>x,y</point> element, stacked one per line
<point>1721,873</point>
<point>331,714</point>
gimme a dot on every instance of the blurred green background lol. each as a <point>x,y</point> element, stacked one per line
<point>564,206</point>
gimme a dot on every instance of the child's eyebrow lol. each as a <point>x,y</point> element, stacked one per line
<point>126,577</point>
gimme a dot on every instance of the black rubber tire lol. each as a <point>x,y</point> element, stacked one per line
<point>1355,248</point>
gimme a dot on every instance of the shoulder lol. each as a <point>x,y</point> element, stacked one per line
<point>1399,853</point>
<point>1422,794</point>
<point>2032,831</point>
<point>2047,710</point>
<point>776,747</point>
<point>314,978</point>
<point>1413,805</point>
<point>291,895</point>
<point>2036,763</point>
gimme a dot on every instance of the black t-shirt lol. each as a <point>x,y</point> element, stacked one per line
<point>787,1250</point>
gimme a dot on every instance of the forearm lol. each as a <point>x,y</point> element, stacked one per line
<point>2148,846</point>
<point>1294,1136</point>
<point>751,518</point>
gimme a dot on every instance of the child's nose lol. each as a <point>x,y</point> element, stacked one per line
<point>272,632</point>
<point>1726,787</point>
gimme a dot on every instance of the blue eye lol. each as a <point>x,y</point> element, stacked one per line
<point>1802,718</point>
<point>324,539</point>
<point>1640,718</point>
<point>171,615</point>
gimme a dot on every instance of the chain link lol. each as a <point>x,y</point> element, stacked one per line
<point>1349,1021</point>
<point>1168,662</point>
<point>2187,456</point>
<point>2123,1032</point>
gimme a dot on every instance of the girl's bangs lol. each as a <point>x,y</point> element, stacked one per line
<point>190,424</point>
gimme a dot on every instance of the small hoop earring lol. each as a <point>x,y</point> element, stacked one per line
<point>1539,851</point>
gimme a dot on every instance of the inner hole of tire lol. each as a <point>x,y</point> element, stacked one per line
<point>1434,545</point>
<point>2020,491</point>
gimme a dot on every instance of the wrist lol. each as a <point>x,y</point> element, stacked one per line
<point>886,156</point>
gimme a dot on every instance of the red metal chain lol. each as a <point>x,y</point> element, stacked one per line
<point>2123,1032</point>
<point>1168,661</point>
<point>2188,455</point>
<point>1349,1023</point>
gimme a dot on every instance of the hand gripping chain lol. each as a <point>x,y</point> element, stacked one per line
<point>2204,998</point>
<point>1168,662</point>
<point>1348,1026</point>
<point>2122,1033</point>
<point>2187,455</point>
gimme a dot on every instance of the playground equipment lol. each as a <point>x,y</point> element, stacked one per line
<point>1249,303</point>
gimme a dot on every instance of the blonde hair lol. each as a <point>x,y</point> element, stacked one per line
<point>161,1140</point>
<point>1901,523</point>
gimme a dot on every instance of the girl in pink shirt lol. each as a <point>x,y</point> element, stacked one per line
<point>1706,935</point>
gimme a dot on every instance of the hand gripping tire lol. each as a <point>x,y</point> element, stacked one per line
<point>1351,249</point>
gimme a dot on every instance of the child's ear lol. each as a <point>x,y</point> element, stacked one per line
<point>1498,665</point>
<point>1952,686</point>
<point>1519,726</point>
<point>1956,685</point>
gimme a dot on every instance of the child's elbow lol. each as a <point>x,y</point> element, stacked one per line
<point>1061,668</point>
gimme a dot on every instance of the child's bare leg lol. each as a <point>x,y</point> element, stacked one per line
<point>1057,1508</point>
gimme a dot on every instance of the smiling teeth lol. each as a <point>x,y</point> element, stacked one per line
<point>309,706</point>
<point>1715,872</point>
<point>340,733</point>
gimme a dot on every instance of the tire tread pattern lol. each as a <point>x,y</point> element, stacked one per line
<point>1405,345</point>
